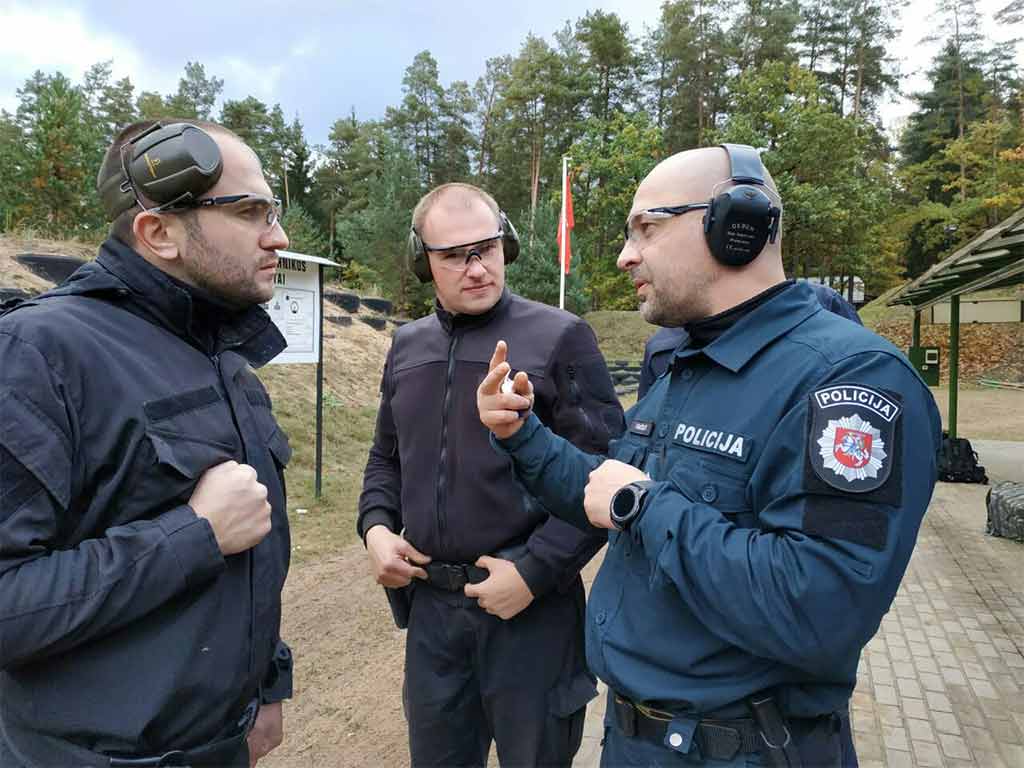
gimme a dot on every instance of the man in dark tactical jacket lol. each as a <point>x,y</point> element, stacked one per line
<point>143,530</point>
<point>495,613</point>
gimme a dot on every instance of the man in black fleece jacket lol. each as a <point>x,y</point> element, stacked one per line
<point>486,580</point>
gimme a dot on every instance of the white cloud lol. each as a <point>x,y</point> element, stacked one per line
<point>245,77</point>
<point>61,40</point>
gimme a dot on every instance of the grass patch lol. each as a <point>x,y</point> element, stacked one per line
<point>328,524</point>
<point>621,335</point>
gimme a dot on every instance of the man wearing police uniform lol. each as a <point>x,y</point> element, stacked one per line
<point>495,612</point>
<point>143,530</point>
<point>764,502</point>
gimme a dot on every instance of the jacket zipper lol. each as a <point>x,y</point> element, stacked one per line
<point>442,474</point>
<point>574,390</point>
<point>215,359</point>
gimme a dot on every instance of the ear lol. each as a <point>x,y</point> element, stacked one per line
<point>158,235</point>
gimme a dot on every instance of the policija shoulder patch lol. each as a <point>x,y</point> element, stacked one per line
<point>851,438</point>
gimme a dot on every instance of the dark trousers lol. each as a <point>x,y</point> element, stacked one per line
<point>471,677</point>
<point>818,747</point>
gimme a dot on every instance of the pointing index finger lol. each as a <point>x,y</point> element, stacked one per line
<point>500,355</point>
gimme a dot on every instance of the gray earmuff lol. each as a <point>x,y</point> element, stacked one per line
<point>168,165</point>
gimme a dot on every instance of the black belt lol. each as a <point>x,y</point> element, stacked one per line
<point>216,753</point>
<point>716,739</point>
<point>453,577</point>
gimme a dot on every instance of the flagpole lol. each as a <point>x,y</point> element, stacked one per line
<point>562,228</point>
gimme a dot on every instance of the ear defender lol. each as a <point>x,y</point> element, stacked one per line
<point>741,220</point>
<point>168,165</point>
<point>420,262</point>
<point>509,238</point>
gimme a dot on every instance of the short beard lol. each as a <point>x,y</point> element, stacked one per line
<point>673,311</point>
<point>203,255</point>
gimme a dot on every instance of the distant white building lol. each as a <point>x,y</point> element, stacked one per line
<point>842,286</point>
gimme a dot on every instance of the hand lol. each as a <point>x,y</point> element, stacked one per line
<point>500,411</point>
<point>267,732</point>
<point>392,558</point>
<point>503,593</point>
<point>602,485</point>
<point>235,503</point>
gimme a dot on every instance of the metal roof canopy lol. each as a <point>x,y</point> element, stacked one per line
<point>993,259</point>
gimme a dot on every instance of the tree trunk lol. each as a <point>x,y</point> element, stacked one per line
<point>960,113</point>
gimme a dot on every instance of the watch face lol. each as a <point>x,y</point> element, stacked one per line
<point>623,501</point>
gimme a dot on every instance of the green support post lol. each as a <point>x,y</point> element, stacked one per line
<point>916,338</point>
<point>954,361</point>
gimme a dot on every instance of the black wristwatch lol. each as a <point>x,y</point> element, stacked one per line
<point>628,503</point>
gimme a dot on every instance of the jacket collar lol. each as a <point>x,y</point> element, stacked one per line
<point>455,323</point>
<point>149,292</point>
<point>752,333</point>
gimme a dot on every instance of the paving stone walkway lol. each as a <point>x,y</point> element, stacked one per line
<point>942,683</point>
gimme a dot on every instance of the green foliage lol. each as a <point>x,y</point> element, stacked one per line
<point>535,273</point>
<point>375,237</point>
<point>609,171</point>
<point>304,235</point>
<point>835,191</point>
<point>800,79</point>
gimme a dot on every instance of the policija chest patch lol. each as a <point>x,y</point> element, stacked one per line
<point>851,440</point>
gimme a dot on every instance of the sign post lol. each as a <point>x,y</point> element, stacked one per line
<point>297,310</point>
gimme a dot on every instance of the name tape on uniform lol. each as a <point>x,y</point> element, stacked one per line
<point>846,395</point>
<point>728,444</point>
<point>643,428</point>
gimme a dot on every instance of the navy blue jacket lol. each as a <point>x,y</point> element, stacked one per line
<point>431,469</point>
<point>659,348</point>
<point>124,629</point>
<point>794,458</point>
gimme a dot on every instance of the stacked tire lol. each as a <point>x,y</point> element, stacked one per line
<point>1005,502</point>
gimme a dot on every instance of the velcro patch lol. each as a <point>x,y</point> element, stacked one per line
<point>643,428</point>
<point>851,436</point>
<point>729,444</point>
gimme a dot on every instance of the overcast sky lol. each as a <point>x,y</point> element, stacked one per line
<point>321,58</point>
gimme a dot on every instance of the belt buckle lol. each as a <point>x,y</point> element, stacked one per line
<point>175,758</point>
<point>457,577</point>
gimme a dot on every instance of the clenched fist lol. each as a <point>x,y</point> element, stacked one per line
<point>235,503</point>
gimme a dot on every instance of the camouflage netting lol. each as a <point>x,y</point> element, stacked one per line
<point>1005,503</point>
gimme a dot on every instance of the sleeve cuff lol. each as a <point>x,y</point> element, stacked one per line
<point>277,685</point>
<point>193,543</point>
<point>660,521</point>
<point>376,517</point>
<point>511,444</point>
<point>539,577</point>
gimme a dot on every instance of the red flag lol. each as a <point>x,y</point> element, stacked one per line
<point>570,222</point>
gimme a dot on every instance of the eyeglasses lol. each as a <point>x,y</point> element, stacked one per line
<point>651,215</point>
<point>255,209</point>
<point>456,258</point>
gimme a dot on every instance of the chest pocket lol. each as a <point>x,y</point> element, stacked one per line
<point>273,435</point>
<point>719,484</point>
<point>185,434</point>
<point>629,450</point>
